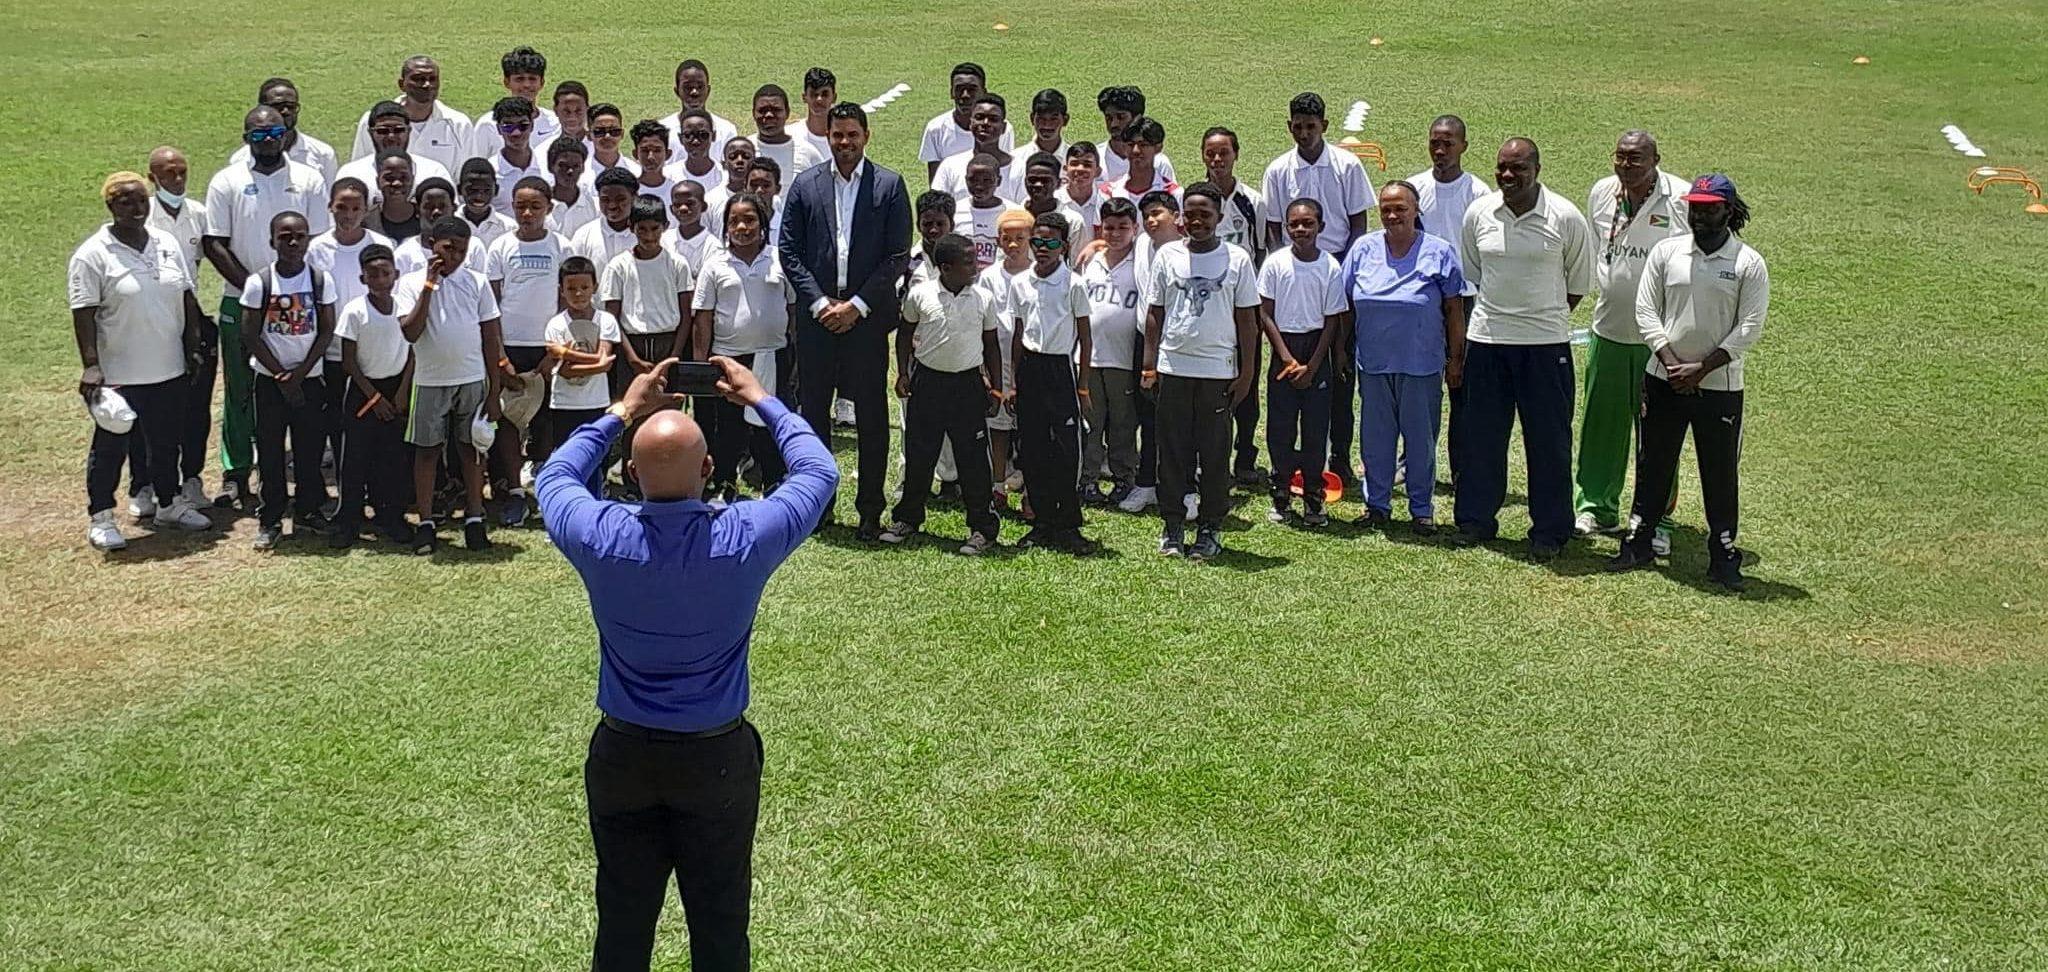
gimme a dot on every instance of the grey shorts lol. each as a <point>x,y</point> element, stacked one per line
<point>438,412</point>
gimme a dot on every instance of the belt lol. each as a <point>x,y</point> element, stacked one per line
<point>669,735</point>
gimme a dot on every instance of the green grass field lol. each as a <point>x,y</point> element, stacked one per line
<point>1324,752</point>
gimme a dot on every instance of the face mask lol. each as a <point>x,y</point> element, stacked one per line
<point>171,200</point>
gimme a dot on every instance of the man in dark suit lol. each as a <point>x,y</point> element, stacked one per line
<point>845,242</point>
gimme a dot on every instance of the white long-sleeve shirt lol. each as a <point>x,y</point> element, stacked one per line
<point>1694,302</point>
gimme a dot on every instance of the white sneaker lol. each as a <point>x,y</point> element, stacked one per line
<point>103,534</point>
<point>194,494</point>
<point>842,412</point>
<point>526,475</point>
<point>1193,504</point>
<point>180,514</point>
<point>142,505</point>
<point>1586,525</point>
<point>1140,498</point>
<point>1660,542</point>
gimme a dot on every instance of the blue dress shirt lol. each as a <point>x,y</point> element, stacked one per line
<point>674,585</point>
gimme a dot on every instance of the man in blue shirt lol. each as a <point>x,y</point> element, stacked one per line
<point>674,772</point>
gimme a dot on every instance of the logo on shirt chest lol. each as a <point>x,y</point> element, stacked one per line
<point>1726,274</point>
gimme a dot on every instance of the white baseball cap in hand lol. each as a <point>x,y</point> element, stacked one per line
<point>483,432</point>
<point>110,411</point>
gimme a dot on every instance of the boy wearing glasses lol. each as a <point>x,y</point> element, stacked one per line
<point>699,165</point>
<point>607,129</point>
<point>515,158</point>
<point>1050,307</point>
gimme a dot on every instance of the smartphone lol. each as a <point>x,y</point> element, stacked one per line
<point>699,378</point>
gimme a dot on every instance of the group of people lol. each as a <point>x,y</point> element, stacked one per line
<point>1073,325</point>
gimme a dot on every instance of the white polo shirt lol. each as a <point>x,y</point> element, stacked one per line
<point>1336,179</point>
<point>528,275</point>
<point>450,351</point>
<point>949,326</point>
<point>1115,329</point>
<point>794,155</point>
<point>412,255</point>
<point>1115,167</point>
<point>1523,267</point>
<point>365,169</point>
<point>484,140</point>
<point>240,203</point>
<point>951,178</point>
<point>138,298</point>
<point>483,234</point>
<point>510,174</point>
<point>572,217</point>
<point>749,301</point>
<point>944,139</point>
<point>1089,208</point>
<point>1303,294</point>
<point>1046,306</point>
<point>444,137</point>
<point>589,391</point>
<point>1200,293</point>
<point>290,325</point>
<point>305,150</point>
<point>343,264</point>
<point>598,242</point>
<point>381,348</point>
<point>1625,241</point>
<point>1694,302</point>
<point>697,249</point>
<point>184,229</point>
<point>722,131</point>
<point>648,291</point>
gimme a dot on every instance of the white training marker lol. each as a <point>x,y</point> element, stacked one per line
<point>1354,120</point>
<point>1961,142</point>
<point>881,101</point>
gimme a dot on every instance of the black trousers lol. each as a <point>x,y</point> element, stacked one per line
<point>563,423</point>
<point>376,464</point>
<point>1245,418</point>
<point>194,425</point>
<point>306,424</point>
<point>1304,411</point>
<point>159,411</point>
<point>732,438</point>
<point>652,348</point>
<point>1715,419</point>
<point>336,384</point>
<point>853,366</point>
<point>1194,433</point>
<point>1049,439</point>
<point>947,406</point>
<point>1343,417</point>
<point>1503,382</point>
<point>663,804</point>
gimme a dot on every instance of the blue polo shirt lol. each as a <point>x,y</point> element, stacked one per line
<point>1398,305</point>
<point>674,585</point>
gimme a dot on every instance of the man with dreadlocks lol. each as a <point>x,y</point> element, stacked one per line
<point>1700,305</point>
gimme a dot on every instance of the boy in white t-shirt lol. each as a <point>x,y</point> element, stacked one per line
<point>611,233</point>
<point>743,305</point>
<point>934,210</point>
<point>1041,188</point>
<point>450,315</point>
<point>1113,402</point>
<point>1145,138</point>
<point>581,339</point>
<point>1050,310</point>
<point>526,73</point>
<point>1199,333</point>
<point>574,201</point>
<point>689,237</point>
<point>648,289</point>
<point>988,125</point>
<point>772,139</point>
<point>650,153</point>
<point>1083,187</point>
<point>1303,310</point>
<point>947,366</point>
<point>975,217</point>
<point>337,253</point>
<point>376,375</point>
<point>523,268</point>
<point>948,133</point>
<point>1120,106</point>
<point>292,305</point>
<point>515,158</point>
<point>1013,239</point>
<point>479,190</point>
<point>701,156</point>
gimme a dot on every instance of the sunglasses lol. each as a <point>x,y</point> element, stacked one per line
<point>273,133</point>
<point>696,136</point>
<point>390,131</point>
<point>514,128</point>
<point>1048,243</point>
<point>607,133</point>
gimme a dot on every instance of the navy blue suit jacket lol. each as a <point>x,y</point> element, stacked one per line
<point>879,248</point>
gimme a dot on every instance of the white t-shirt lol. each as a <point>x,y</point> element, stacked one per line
<point>444,137</point>
<point>450,351</point>
<point>794,155</point>
<point>598,243</point>
<point>680,172</point>
<point>1046,308</point>
<point>1303,294</point>
<point>800,129</point>
<point>1244,220</point>
<point>140,301</point>
<point>1443,204</point>
<point>1121,188</point>
<point>307,151</point>
<point>949,326</point>
<point>979,226</point>
<point>722,131</point>
<point>749,301</point>
<point>381,348</point>
<point>1200,292</point>
<point>1089,208</point>
<point>589,391</point>
<point>528,275</point>
<point>594,168</point>
<point>1115,167</point>
<point>365,170</point>
<point>184,229</point>
<point>952,177</point>
<point>995,278</point>
<point>647,290</point>
<point>1114,325</point>
<point>665,192</point>
<point>290,324</point>
<point>509,176</point>
<point>1524,267</point>
<point>1336,179</point>
<point>943,138</point>
<point>343,265</point>
<point>241,202</point>
<point>485,142</point>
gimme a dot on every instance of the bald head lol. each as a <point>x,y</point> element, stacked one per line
<point>167,169</point>
<point>1517,171</point>
<point>1635,162</point>
<point>670,459</point>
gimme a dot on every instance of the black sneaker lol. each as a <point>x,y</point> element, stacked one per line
<point>1033,538</point>
<point>1373,520</point>
<point>395,531</point>
<point>1633,556</point>
<point>310,521</point>
<point>476,536</point>
<point>1173,542</point>
<point>1092,495</point>
<point>424,539</point>
<point>1207,545</point>
<point>870,530</point>
<point>1544,553</point>
<point>343,536</point>
<point>1422,526</point>
<point>234,493</point>
<point>1072,542</point>
<point>1467,538</point>
<point>1249,476</point>
<point>1118,493</point>
<point>268,535</point>
<point>1728,574</point>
